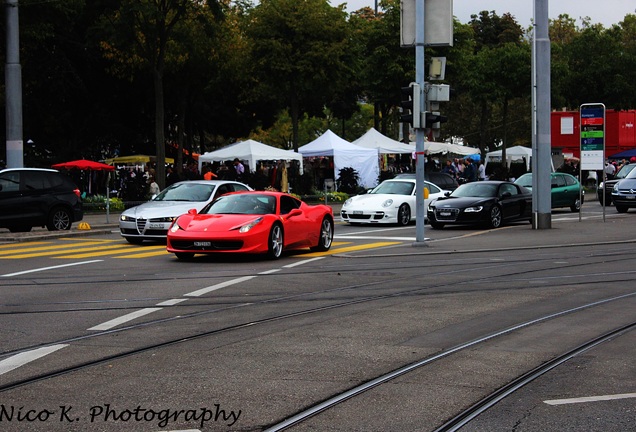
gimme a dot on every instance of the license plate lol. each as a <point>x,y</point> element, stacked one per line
<point>357,212</point>
<point>155,225</point>
<point>202,243</point>
<point>444,213</point>
<point>631,197</point>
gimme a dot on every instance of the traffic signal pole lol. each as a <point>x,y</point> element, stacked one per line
<point>420,211</point>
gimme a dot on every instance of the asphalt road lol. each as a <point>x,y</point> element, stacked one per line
<point>100,335</point>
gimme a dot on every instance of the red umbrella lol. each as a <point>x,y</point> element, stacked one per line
<point>84,164</point>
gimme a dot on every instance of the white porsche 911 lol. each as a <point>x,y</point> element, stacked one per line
<point>391,202</point>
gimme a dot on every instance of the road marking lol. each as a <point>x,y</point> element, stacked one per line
<point>21,359</point>
<point>206,290</point>
<point>171,302</point>
<point>12,246</point>
<point>23,250</point>
<point>64,250</point>
<point>303,262</point>
<point>49,268</point>
<point>163,251</point>
<point>349,249</point>
<point>114,251</point>
<point>123,319</point>
<point>590,399</point>
<point>359,237</point>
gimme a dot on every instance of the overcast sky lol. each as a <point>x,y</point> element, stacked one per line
<point>606,12</point>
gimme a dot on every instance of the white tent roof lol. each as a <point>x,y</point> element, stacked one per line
<point>512,153</point>
<point>439,147</point>
<point>251,151</point>
<point>374,139</point>
<point>363,160</point>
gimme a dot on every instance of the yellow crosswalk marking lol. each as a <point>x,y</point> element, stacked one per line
<point>145,254</point>
<point>52,250</point>
<point>116,250</point>
<point>13,245</point>
<point>348,249</point>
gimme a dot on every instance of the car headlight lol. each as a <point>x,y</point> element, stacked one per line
<point>615,189</point>
<point>175,226</point>
<point>125,218</point>
<point>348,202</point>
<point>245,228</point>
<point>387,203</point>
<point>475,209</point>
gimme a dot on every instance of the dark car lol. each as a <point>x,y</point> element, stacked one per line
<point>608,185</point>
<point>38,197</point>
<point>441,180</point>
<point>566,190</point>
<point>489,203</point>
<point>624,193</point>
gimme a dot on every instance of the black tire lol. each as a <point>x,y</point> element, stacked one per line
<point>576,207</point>
<point>495,217</point>
<point>134,240</point>
<point>60,219</point>
<point>325,237</point>
<point>437,225</point>
<point>275,242</point>
<point>404,215</point>
<point>184,256</point>
<point>621,209</point>
<point>20,228</point>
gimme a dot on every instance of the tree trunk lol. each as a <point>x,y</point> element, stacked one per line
<point>159,130</point>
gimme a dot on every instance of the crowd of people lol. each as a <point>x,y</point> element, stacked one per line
<point>465,170</point>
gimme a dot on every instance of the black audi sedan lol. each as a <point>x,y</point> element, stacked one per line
<point>487,203</point>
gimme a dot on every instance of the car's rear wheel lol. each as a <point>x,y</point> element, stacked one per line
<point>275,242</point>
<point>184,256</point>
<point>134,240</point>
<point>576,207</point>
<point>404,215</point>
<point>622,209</point>
<point>326,236</point>
<point>495,217</point>
<point>59,219</point>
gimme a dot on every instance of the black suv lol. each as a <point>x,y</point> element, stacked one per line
<point>38,197</point>
<point>439,179</point>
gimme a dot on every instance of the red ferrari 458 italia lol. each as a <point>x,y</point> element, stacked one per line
<point>252,222</point>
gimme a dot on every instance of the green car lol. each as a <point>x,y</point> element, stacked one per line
<point>566,190</point>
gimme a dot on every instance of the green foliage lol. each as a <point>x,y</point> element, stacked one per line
<point>348,180</point>
<point>97,203</point>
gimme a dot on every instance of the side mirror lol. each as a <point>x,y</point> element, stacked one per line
<point>506,195</point>
<point>294,212</point>
<point>447,194</point>
<point>192,211</point>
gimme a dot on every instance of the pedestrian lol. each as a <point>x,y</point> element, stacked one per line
<point>153,188</point>
<point>207,173</point>
<point>239,168</point>
<point>481,171</point>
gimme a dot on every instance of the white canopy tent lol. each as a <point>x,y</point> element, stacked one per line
<point>250,151</point>
<point>385,145</point>
<point>512,154</point>
<point>432,147</point>
<point>345,154</point>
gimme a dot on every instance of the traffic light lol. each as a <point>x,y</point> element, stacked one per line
<point>411,105</point>
<point>433,120</point>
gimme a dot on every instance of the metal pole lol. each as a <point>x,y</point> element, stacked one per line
<point>542,213</point>
<point>420,211</point>
<point>13,84</point>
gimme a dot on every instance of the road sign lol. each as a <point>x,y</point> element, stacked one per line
<point>592,126</point>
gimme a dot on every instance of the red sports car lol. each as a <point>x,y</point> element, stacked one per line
<point>252,222</point>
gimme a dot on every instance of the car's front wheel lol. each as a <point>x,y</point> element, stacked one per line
<point>325,236</point>
<point>184,256</point>
<point>576,207</point>
<point>275,242</point>
<point>404,215</point>
<point>437,225</point>
<point>495,217</point>
<point>59,219</point>
<point>622,209</point>
<point>134,240</point>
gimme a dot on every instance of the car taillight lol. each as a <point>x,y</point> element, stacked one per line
<point>77,192</point>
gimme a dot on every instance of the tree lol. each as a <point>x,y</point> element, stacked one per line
<point>299,55</point>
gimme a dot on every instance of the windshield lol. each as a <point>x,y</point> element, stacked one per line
<point>242,204</point>
<point>394,188</point>
<point>525,180</point>
<point>627,171</point>
<point>194,192</point>
<point>477,189</point>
